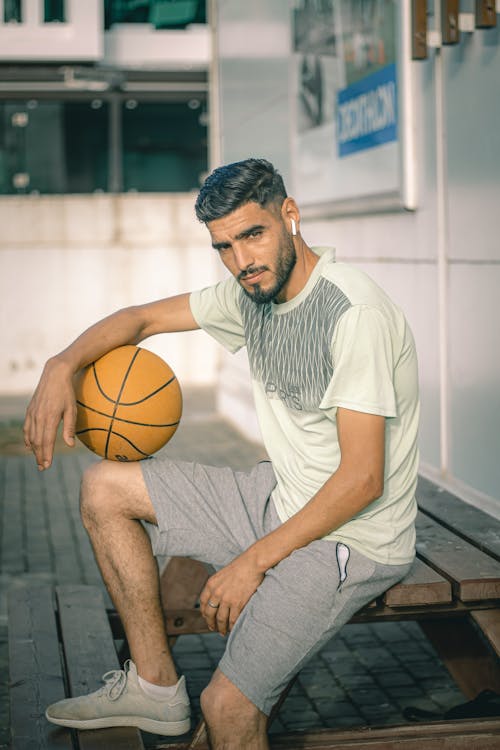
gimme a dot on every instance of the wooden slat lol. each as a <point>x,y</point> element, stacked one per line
<point>418,29</point>
<point>474,575</point>
<point>489,622</point>
<point>453,609</point>
<point>465,654</point>
<point>181,582</point>
<point>36,678</point>
<point>178,622</point>
<point>475,734</point>
<point>472,524</point>
<point>185,621</point>
<point>486,14</point>
<point>191,621</point>
<point>424,741</point>
<point>457,736</point>
<point>199,740</point>
<point>422,585</point>
<point>89,652</point>
<point>12,542</point>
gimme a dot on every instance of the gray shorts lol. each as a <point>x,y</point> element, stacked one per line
<point>213,514</point>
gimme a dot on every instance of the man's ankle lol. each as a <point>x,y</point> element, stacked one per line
<point>158,692</point>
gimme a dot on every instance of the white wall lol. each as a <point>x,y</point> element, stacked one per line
<point>67,261</point>
<point>441,263</point>
<point>472,75</point>
<point>131,45</point>
<point>401,252</point>
<point>253,52</point>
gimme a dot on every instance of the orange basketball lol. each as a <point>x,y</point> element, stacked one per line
<point>129,404</point>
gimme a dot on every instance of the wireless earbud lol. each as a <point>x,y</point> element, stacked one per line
<point>294,227</point>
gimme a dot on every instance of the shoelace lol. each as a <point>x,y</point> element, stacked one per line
<point>114,683</point>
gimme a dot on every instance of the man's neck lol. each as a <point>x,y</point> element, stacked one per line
<point>306,261</point>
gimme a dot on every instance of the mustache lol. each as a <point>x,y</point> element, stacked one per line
<point>251,271</point>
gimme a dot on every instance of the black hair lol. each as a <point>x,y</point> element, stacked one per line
<point>233,185</point>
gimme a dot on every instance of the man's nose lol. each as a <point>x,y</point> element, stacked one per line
<point>243,256</point>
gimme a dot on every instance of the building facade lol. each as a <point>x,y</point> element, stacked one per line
<point>97,198</point>
<point>103,143</point>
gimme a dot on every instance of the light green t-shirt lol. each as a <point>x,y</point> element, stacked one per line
<point>339,342</point>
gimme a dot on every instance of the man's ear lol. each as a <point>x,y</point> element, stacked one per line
<point>291,216</point>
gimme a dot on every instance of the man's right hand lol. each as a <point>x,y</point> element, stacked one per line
<point>53,401</point>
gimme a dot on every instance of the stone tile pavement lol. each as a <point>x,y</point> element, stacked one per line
<point>366,675</point>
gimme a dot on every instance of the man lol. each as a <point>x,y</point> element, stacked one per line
<point>299,543</point>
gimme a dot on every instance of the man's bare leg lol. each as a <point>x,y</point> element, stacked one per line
<point>233,721</point>
<point>114,500</point>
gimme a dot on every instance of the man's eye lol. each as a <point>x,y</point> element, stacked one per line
<point>257,233</point>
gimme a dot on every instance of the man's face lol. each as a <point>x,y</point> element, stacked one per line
<point>254,245</point>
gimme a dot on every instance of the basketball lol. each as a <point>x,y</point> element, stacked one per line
<point>129,404</point>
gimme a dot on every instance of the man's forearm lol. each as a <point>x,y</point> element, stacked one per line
<point>127,326</point>
<point>340,498</point>
<point>121,328</point>
<point>358,481</point>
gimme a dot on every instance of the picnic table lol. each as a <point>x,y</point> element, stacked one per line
<point>61,639</point>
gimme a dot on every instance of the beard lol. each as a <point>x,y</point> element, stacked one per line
<point>287,258</point>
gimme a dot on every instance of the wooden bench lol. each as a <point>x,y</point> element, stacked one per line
<point>60,643</point>
<point>61,640</point>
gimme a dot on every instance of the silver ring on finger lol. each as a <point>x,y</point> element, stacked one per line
<point>211,604</point>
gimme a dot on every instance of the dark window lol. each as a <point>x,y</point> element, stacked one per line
<point>80,147</point>
<point>164,145</point>
<point>86,136</point>
<point>54,11</point>
<point>176,14</point>
<point>53,147</point>
<point>12,11</point>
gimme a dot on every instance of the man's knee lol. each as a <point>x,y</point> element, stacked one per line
<point>223,704</point>
<point>110,489</point>
<point>94,486</point>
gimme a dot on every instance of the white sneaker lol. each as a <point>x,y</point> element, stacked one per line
<point>121,702</point>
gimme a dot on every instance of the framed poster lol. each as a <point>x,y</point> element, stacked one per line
<point>353,128</point>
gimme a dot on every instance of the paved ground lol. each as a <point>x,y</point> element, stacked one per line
<point>366,675</point>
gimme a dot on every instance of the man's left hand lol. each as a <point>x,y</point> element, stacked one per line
<point>227,592</point>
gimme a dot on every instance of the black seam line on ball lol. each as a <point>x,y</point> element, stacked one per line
<point>117,402</point>
<point>118,434</point>
<point>126,421</point>
<point>149,395</point>
<point>129,403</point>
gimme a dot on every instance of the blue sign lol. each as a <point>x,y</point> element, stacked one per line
<point>367,112</point>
